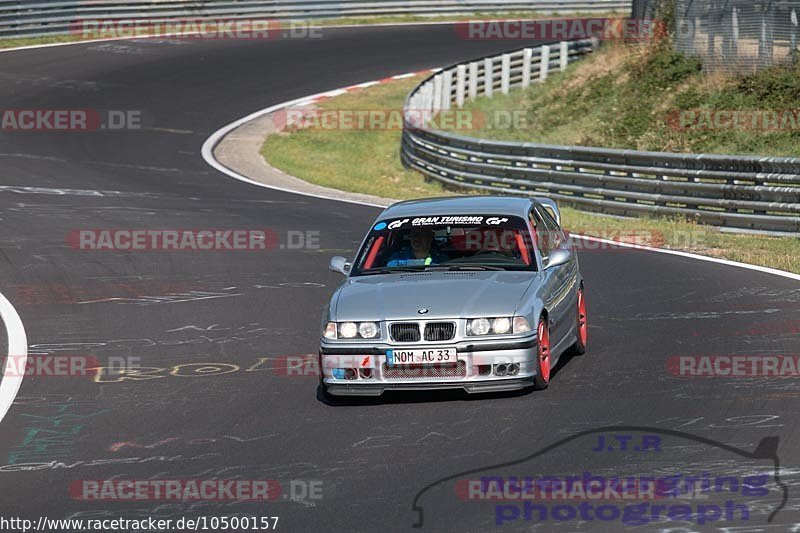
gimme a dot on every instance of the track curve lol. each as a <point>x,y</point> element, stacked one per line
<point>245,309</point>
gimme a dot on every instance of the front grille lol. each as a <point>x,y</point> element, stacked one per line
<point>448,370</point>
<point>440,331</point>
<point>405,332</point>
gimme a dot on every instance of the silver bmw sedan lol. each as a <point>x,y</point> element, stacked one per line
<point>481,293</point>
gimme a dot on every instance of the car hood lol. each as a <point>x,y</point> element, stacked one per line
<point>443,294</point>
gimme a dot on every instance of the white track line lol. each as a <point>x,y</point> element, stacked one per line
<point>216,137</point>
<point>17,348</point>
<point>766,270</point>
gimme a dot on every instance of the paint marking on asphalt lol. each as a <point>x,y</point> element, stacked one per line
<point>335,92</point>
<point>364,85</point>
<point>217,136</point>
<point>17,347</point>
<point>690,255</point>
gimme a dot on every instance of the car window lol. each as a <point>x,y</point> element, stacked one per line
<point>468,241</point>
<point>548,217</point>
<point>552,233</point>
<point>540,229</point>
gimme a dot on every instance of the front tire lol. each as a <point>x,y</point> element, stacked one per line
<point>322,392</point>
<point>543,355</point>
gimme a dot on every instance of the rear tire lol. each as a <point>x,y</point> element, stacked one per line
<point>543,355</point>
<point>582,326</point>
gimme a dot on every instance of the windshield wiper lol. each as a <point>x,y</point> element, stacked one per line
<point>390,270</point>
<point>464,267</point>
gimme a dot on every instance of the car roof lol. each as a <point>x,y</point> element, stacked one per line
<point>460,205</point>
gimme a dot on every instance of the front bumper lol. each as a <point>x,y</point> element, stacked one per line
<point>469,374</point>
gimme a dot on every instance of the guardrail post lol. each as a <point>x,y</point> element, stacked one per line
<point>563,56</point>
<point>488,76</point>
<point>766,37</point>
<point>711,43</point>
<point>428,104</point>
<point>437,93</point>
<point>544,64</point>
<point>427,101</point>
<point>414,103</point>
<point>473,80</point>
<point>793,37</point>
<point>527,57</point>
<point>730,37</point>
<point>447,88</point>
<point>461,74</point>
<point>505,73</point>
<point>411,115</point>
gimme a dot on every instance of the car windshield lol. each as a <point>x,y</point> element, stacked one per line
<point>457,242</point>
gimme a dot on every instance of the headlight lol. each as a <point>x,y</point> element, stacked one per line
<point>352,330</point>
<point>330,330</point>
<point>479,326</point>
<point>368,330</point>
<point>348,330</point>
<point>503,325</point>
<point>521,324</point>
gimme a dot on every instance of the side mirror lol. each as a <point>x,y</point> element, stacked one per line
<point>339,264</point>
<point>557,258</point>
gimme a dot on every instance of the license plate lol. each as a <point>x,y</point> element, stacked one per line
<point>428,356</point>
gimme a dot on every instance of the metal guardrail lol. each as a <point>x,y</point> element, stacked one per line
<point>757,193</point>
<point>33,18</point>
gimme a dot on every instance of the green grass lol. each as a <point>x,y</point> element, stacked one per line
<point>365,161</point>
<point>385,19</point>
<point>31,41</point>
<point>631,97</point>
<point>782,253</point>
<point>368,162</point>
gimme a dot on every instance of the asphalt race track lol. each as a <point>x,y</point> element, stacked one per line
<point>364,462</point>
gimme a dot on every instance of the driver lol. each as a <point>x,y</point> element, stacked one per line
<point>420,251</point>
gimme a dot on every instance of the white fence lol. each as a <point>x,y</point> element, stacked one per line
<point>488,76</point>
